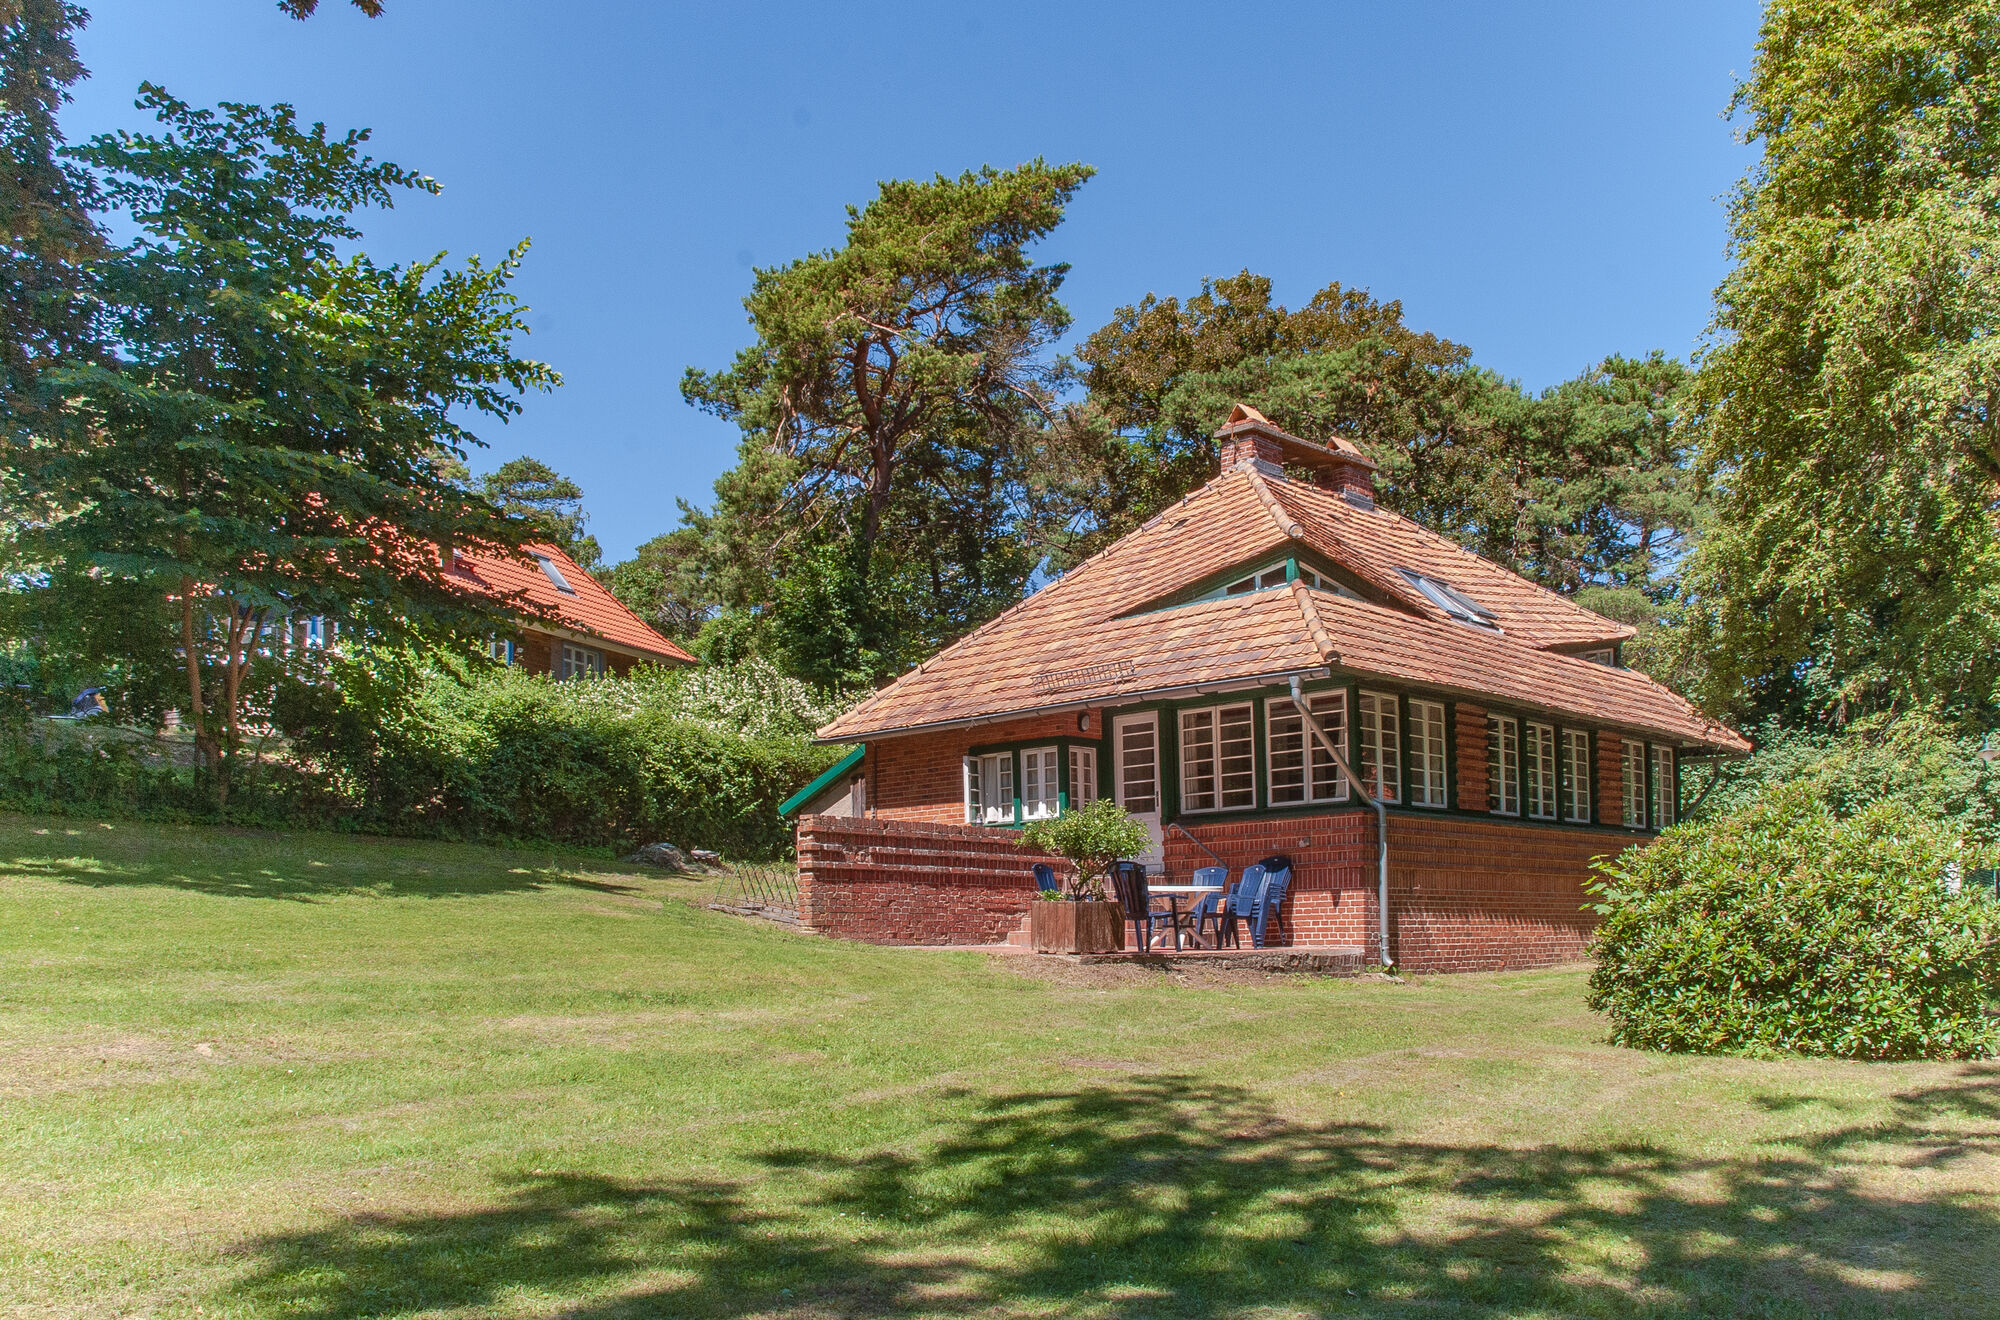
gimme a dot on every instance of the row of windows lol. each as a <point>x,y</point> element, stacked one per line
<point>990,797</point>
<point>1534,769</point>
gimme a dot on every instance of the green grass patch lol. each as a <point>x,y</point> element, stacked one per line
<point>334,1077</point>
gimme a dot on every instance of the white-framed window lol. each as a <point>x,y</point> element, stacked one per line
<point>1381,765</point>
<point>1634,764</point>
<point>318,632</point>
<point>501,649</point>
<point>989,789</point>
<point>1665,798</point>
<point>1261,580</point>
<point>1264,579</point>
<point>1039,796</point>
<point>1538,760</point>
<point>1082,776</point>
<point>1576,776</point>
<point>1218,758</point>
<point>1503,765</point>
<point>1604,655</point>
<point>1136,773</point>
<point>1427,757</point>
<point>1297,766</point>
<point>579,662</point>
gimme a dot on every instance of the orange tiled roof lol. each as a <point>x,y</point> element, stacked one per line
<point>592,611</point>
<point>1100,636</point>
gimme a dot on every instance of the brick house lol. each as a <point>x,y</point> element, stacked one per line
<point>1491,720</point>
<point>584,630</point>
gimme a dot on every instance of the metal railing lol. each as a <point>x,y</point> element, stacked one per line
<point>759,891</point>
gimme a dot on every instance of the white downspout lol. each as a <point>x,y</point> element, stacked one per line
<point>1381,812</point>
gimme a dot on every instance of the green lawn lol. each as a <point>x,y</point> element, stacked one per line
<point>250,1075</point>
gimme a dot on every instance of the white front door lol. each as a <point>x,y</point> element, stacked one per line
<point>1135,743</point>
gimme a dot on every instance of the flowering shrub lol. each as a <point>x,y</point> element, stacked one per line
<point>1781,928</point>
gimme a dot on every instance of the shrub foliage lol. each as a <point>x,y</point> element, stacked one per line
<point>398,743</point>
<point>1091,838</point>
<point>1782,928</point>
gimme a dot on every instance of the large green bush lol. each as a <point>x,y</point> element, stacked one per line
<point>1782,928</point>
<point>401,743</point>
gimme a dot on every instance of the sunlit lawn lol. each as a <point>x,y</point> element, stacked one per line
<point>244,1075</point>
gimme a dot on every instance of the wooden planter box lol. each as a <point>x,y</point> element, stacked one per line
<point>1076,927</point>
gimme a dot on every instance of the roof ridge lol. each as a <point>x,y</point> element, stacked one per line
<point>1287,528</point>
<point>1314,624</point>
<point>1029,599</point>
<point>1358,564</point>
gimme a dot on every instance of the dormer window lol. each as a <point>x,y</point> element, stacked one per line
<point>1263,579</point>
<point>1604,655</point>
<point>555,575</point>
<point>1455,603</point>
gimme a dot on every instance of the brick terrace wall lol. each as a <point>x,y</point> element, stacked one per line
<point>1464,895</point>
<point>921,777</point>
<point>909,882</point>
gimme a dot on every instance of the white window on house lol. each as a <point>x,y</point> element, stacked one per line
<point>1082,776</point>
<point>318,632</point>
<point>1297,766</point>
<point>989,789</point>
<point>1138,767</point>
<point>1539,761</point>
<point>555,575</point>
<point>1576,776</point>
<point>1665,789</point>
<point>1381,765</point>
<point>1503,765</point>
<point>579,662</point>
<point>1262,579</point>
<point>1218,758</point>
<point>1455,603</point>
<point>1039,795</point>
<point>1427,759</point>
<point>1635,783</point>
<point>1605,656</point>
<point>501,649</point>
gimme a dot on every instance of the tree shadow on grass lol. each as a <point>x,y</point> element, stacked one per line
<point>300,880</point>
<point>1171,1197</point>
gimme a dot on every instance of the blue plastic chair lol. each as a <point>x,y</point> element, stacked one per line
<point>1241,904</point>
<point>1271,904</point>
<point>1209,906</point>
<point>1045,878</point>
<point>1128,883</point>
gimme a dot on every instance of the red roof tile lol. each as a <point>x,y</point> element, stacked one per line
<point>1099,635</point>
<point>591,610</point>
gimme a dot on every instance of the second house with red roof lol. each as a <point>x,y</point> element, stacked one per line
<point>581,629</point>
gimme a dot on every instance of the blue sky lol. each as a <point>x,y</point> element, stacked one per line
<point>1541,181</point>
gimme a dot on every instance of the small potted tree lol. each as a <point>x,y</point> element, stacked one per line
<point>1082,917</point>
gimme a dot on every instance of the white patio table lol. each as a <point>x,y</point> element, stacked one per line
<point>1174,892</point>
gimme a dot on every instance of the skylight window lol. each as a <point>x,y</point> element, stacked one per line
<point>555,575</point>
<point>1453,602</point>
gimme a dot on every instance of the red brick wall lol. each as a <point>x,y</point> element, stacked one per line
<point>1610,778</point>
<point>1464,895</point>
<point>1471,750</point>
<point>906,882</point>
<point>921,777</point>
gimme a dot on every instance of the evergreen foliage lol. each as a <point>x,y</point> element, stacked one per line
<point>1781,928</point>
<point>530,489</point>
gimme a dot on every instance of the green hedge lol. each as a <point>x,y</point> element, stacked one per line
<point>1782,928</point>
<point>400,745</point>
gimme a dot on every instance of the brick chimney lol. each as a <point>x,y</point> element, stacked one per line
<point>1249,438</point>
